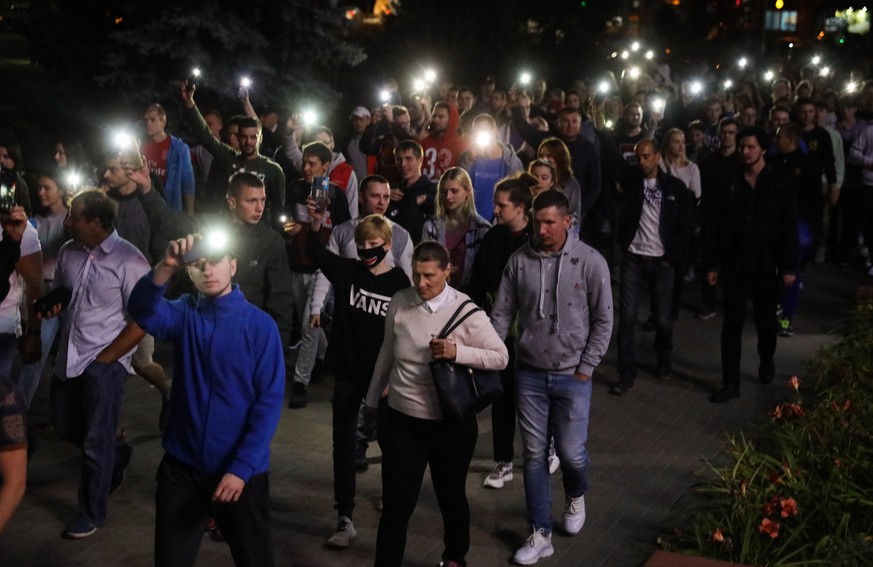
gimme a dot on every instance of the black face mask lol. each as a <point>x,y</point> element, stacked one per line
<point>372,256</point>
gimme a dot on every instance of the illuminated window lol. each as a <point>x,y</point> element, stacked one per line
<point>781,20</point>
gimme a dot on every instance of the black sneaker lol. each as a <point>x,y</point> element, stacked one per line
<point>726,394</point>
<point>298,398</point>
<point>123,454</point>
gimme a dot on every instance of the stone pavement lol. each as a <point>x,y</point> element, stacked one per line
<point>646,450</point>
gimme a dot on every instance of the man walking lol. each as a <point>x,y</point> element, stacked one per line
<point>225,406</point>
<point>559,290</point>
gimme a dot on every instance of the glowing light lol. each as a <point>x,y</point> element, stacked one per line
<point>780,4</point>
<point>728,84</point>
<point>625,54</point>
<point>609,124</point>
<point>216,240</point>
<point>851,87</point>
<point>768,76</point>
<point>430,75</point>
<point>635,46</point>
<point>742,63</point>
<point>634,72</point>
<point>696,87</point>
<point>384,96</point>
<point>484,139</point>
<point>650,54</point>
<point>122,140</point>
<point>283,219</point>
<point>73,179</point>
<point>614,54</point>
<point>195,72</point>
<point>791,45</point>
<point>309,117</point>
<point>245,82</point>
<point>419,84</point>
<point>604,87</point>
<point>825,71</point>
<point>820,35</point>
<point>658,105</point>
<point>816,60</point>
<point>525,78</point>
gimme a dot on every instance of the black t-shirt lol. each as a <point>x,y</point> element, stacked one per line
<point>360,305</point>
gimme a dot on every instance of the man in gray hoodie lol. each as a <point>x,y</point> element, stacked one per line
<point>559,289</point>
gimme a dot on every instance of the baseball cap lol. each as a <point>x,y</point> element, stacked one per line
<point>361,112</point>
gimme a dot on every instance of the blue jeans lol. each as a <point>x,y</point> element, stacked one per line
<point>637,272</point>
<point>552,405</point>
<point>30,374</point>
<point>85,412</point>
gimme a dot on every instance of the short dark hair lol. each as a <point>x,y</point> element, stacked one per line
<point>398,110</point>
<point>551,198</point>
<point>370,179</point>
<point>570,110</point>
<point>431,251</point>
<point>97,205</point>
<point>319,150</point>
<point>756,132</point>
<point>441,104</point>
<point>780,108</point>
<point>241,180</point>
<point>249,122</point>
<point>697,125</point>
<point>803,101</point>
<point>409,146</point>
<point>728,122</point>
<point>792,130</point>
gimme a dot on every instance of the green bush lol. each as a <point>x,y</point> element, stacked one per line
<point>801,491</point>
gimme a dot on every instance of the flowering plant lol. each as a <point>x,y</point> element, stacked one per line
<point>800,491</point>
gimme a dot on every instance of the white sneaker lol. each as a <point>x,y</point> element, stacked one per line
<point>537,546</point>
<point>574,515</point>
<point>502,473</point>
<point>345,531</point>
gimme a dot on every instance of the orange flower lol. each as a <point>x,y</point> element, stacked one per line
<point>769,527</point>
<point>717,536</point>
<point>789,507</point>
<point>794,382</point>
<point>776,413</point>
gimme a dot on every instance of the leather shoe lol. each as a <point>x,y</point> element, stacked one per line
<point>620,387</point>
<point>726,394</point>
<point>767,371</point>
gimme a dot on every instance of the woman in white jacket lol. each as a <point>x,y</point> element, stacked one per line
<point>412,432</point>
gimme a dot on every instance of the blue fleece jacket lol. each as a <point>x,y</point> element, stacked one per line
<point>228,377</point>
<point>180,173</point>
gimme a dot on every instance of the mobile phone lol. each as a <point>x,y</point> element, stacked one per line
<point>47,302</point>
<point>7,194</point>
<point>198,251</point>
<point>319,192</point>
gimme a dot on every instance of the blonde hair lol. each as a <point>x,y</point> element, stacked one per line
<point>373,227</point>
<point>665,148</point>
<point>462,178</point>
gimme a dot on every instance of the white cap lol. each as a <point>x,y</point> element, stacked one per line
<point>361,112</point>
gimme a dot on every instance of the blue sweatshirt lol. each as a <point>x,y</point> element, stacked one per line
<point>229,377</point>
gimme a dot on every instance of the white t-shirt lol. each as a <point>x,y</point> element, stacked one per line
<point>10,315</point>
<point>647,240</point>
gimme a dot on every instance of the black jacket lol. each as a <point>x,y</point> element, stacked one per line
<point>753,231</point>
<point>261,265</point>
<point>676,221</point>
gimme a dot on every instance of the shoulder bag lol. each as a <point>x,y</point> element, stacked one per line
<point>463,391</point>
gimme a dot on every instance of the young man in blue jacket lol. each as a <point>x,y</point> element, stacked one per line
<point>225,405</point>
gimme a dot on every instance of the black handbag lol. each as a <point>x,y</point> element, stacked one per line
<point>463,391</point>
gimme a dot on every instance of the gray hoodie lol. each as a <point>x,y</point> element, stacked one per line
<point>564,306</point>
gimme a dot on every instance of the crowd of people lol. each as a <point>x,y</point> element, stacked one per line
<point>243,241</point>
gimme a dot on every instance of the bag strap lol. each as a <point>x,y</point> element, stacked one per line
<point>452,324</point>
